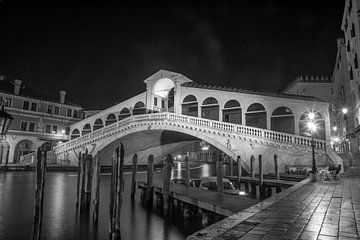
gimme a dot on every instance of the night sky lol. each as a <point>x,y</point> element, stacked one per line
<point>100,52</point>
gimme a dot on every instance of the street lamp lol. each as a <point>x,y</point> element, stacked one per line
<point>312,127</point>
<point>344,110</point>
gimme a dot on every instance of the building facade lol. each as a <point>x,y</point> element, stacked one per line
<point>37,118</point>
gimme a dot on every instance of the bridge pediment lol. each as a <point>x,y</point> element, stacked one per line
<point>176,77</point>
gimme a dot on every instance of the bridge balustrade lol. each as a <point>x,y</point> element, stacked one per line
<point>189,120</point>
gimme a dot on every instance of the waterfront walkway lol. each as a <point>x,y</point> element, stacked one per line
<point>321,210</point>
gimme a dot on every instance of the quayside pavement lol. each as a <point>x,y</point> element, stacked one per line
<point>320,210</point>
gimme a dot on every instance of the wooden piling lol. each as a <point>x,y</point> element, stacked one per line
<point>238,161</point>
<point>150,176</point>
<point>166,186</point>
<point>252,167</point>
<point>277,174</point>
<point>231,163</point>
<point>133,178</point>
<point>86,199</point>
<point>219,170</point>
<point>112,195</point>
<point>187,172</point>
<point>78,185</point>
<point>261,177</point>
<point>96,188</point>
<point>39,191</point>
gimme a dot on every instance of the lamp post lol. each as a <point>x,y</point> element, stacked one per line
<point>312,127</point>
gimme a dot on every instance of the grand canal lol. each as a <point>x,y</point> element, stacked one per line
<point>61,220</point>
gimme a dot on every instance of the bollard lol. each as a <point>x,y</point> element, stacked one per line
<point>187,172</point>
<point>252,161</point>
<point>261,177</point>
<point>78,184</point>
<point>96,186</point>
<point>231,162</point>
<point>166,186</point>
<point>276,165</point>
<point>219,170</point>
<point>239,170</point>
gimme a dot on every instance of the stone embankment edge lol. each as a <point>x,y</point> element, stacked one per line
<point>226,224</point>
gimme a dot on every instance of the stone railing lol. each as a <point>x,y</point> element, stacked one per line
<point>28,159</point>
<point>194,121</point>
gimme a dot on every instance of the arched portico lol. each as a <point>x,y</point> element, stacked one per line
<point>256,116</point>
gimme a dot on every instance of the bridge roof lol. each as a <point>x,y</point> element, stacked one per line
<point>229,89</point>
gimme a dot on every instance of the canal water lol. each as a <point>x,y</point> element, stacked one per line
<point>61,220</point>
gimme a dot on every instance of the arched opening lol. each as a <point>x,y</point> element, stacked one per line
<point>4,152</point>
<point>75,134</point>
<point>86,129</point>
<point>190,106</point>
<point>282,120</point>
<point>320,125</point>
<point>164,95</point>
<point>256,116</point>
<point>124,113</point>
<point>232,112</point>
<point>110,119</point>
<point>139,108</point>
<point>22,148</point>
<point>210,109</point>
<point>98,124</point>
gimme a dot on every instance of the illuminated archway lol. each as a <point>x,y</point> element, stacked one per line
<point>282,120</point>
<point>256,116</point>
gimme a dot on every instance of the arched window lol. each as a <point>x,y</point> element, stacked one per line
<point>22,148</point>
<point>124,113</point>
<point>111,118</point>
<point>190,106</point>
<point>320,125</point>
<point>98,124</point>
<point>75,134</point>
<point>86,129</point>
<point>210,109</point>
<point>256,116</point>
<point>232,112</point>
<point>282,120</point>
<point>139,108</point>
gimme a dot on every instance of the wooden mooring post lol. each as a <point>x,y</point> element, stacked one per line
<point>39,191</point>
<point>238,161</point>
<point>86,198</point>
<point>117,186</point>
<point>219,173</point>
<point>133,177</point>
<point>79,183</point>
<point>96,188</point>
<point>231,163</point>
<point>261,177</point>
<point>277,174</point>
<point>252,173</point>
<point>187,172</point>
<point>166,186</point>
<point>150,177</point>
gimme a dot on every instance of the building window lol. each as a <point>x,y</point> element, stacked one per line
<point>69,112</point>
<point>155,101</point>
<point>26,105</point>
<point>67,130</point>
<point>32,127</point>
<point>34,107</point>
<point>54,129</point>
<point>75,113</point>
<point>47,128</point>
<point>162,104</point>
<point>57,110</point>
<point>7,101</point>
<point>49,109</point>
<point>23,126</point>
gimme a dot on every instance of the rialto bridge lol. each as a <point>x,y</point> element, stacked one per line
<point>175,111</point>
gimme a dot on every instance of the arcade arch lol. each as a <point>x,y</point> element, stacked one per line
<point>256,116</point>
<point>110,119</point>
<point>282,120</point>
<point>320,125</point>
<point>124,113</point>
<point>86,129</point>
<point>210,109</point>
<point>22,148</point>
<point>98,124</point>
<point>75,134</point>
<point>190,106</point>
<point>232,112</point>
<point>139,108</point>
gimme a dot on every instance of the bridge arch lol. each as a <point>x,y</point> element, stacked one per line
<point>232,112</point>
<point>98,124</point>
<point>190,106</point>
<point>110,119</point>
<point>320,125</point>
<point>124,113</point>
<point>75,134</point>
<point>283,120</point>
<point>210,109</point>
<point>86,129</point>
<point>139,108</point>
<point>256,116</point>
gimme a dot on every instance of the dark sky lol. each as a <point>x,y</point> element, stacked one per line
<point>101,51</point>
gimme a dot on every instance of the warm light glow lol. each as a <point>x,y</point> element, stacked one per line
<point>205,148</point>
<point>242,193</point>
<point>311,116</point>
<point>344,110</point>
<point>163,86</point>
<point>334,128</point>
<point>311,126</point>
<point>336,139</point>
<point>53,132</point>
<point>179,156</point>
<point>63,131</point>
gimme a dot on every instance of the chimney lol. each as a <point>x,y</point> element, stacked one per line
<point>17,85</point>
<point>62,96</point>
